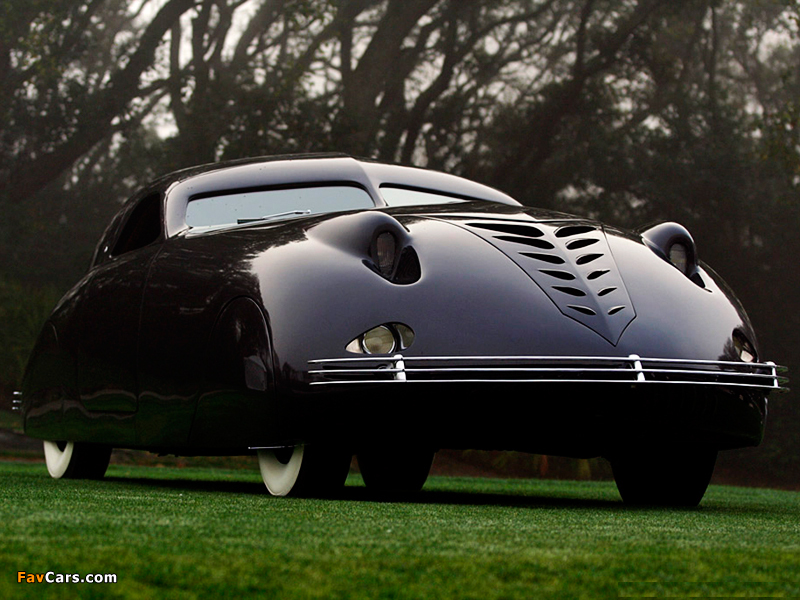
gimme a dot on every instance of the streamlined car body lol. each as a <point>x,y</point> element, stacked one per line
<point>310,308</point>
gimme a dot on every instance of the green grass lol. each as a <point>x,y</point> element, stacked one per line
<point>200,533</point>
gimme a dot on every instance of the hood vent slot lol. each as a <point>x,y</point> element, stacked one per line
<point>523,230</point>
<point>569,290</point>
<point>584,310</point>
<point>562,275</point>
<point>596,274</point>
<point>548,258</point>
<point>572,230</point>
<point>534,242</point>
<point>580,243</point>
<point>587,258</point>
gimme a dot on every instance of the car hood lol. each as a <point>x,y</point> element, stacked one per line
<point>494,279</point>
<point>568,258</point>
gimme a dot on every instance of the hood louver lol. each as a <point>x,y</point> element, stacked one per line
<point>572,263</point>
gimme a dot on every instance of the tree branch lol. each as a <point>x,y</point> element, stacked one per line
<point>30,176</point>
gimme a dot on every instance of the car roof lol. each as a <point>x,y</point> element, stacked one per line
<point>309,169</point>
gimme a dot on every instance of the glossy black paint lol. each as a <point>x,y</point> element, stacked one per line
<point>198,342</point>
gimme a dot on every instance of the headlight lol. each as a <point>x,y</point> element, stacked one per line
<point>385,250</point>
<point>393,257</point>
<point>383,339</point>
<point>405,333</point>
<point>745,350</point>
<point>679,256</point>
<point>673,243</point>
<point>379,340</point>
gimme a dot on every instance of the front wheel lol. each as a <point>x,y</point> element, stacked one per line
<point>304,470</point>
<point>395,469</point>
<point>76,460</point>
<point>664,477</point>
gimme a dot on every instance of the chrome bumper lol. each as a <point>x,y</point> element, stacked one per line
<point>631,370</point>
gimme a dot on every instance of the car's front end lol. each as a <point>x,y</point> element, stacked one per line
<point>586,340</point>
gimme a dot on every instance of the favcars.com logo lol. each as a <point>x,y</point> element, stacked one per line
<point>51,577</point>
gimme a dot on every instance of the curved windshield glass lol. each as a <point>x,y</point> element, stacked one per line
<point>396,196</point>
<point>267,205</point>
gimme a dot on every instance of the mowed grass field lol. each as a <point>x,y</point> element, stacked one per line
<point>205,533</point>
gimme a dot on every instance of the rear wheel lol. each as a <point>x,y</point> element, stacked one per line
<point>304,470</point>
<point>395,469</point>
<point>76,460</point>
<point>664,477</point>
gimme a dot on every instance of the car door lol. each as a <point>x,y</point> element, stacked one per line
<point>109,314</point>
<point>190,282</point>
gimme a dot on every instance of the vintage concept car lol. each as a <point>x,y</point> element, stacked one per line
<point>309,308</point>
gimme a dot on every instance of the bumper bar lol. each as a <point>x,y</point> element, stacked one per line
<point>632,370</point>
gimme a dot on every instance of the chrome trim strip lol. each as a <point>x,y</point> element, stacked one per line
<point>630,370</point>
<point>581,359</point>
<point>640,373</point>
<point>617,381</point>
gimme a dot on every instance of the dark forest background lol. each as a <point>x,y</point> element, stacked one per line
<point>630,111</point>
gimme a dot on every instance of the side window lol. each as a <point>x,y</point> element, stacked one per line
<point>143,226</point>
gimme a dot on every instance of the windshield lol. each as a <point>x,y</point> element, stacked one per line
<point>276,204</point>
<point>395,196</point>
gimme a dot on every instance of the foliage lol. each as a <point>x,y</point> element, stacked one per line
<point>72,74</point>
<point>459,538</point>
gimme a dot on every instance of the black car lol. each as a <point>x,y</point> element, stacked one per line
<point>310,308</point>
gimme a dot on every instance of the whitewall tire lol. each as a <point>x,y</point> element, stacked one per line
<point>280,469</point>
<point>58,455</point>
<point>76,460</point>
<point>315,470</point>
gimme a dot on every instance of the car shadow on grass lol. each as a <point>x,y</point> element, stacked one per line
<point>191,485</point>
<point>359,493</point>
<point>532,500</point>
<point>528,499</point>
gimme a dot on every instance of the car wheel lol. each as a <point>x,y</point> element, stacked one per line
<point>304,470</point>
<point>664,477</point>
<point>395,469</point>
<point>76,460</point>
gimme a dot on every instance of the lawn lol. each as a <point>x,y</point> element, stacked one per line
<point>202,533</point>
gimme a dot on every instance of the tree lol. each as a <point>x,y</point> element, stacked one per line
<point>67,85</point>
